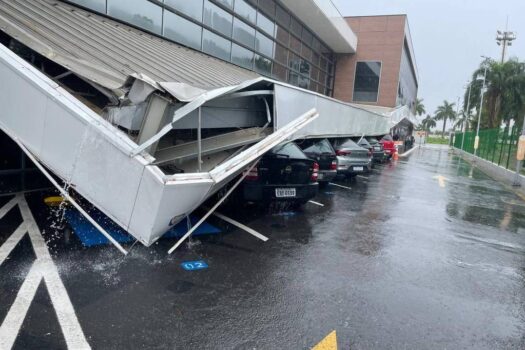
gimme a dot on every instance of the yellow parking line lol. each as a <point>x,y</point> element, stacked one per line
<point>328,343</point>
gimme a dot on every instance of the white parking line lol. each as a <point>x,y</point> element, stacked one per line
<point>362,177</point>
<point>316,203</point>
<point>337,185</point>
<point>241,226</point>
<point>12,241</point>
<point>8,206</point>
<point>43,268</point>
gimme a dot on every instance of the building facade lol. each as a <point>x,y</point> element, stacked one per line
<point>269,37</point>
<point>383,71</point>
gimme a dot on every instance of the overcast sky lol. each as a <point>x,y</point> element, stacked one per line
<point>449,36</point>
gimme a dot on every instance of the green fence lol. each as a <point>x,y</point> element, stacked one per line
<point>498,146</point>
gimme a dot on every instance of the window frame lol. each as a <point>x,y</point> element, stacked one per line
<point>378,84</point>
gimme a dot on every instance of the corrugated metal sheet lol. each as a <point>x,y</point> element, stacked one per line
<point>106,51</point>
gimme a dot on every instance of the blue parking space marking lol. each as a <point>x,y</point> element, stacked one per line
<point>194,265</point>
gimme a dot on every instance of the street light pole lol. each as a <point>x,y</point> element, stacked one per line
<point>468,109</point>
<point>476,140</point>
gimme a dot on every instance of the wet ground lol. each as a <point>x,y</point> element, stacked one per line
<point>424,253</point>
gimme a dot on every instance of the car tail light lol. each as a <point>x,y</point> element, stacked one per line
<point>343,153</point>
<point>253,175</point>
<point>315,172</point>
<point>369,154</point>
<point>333,165</point>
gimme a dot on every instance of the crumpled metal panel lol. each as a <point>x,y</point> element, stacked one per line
<point>106,51</point>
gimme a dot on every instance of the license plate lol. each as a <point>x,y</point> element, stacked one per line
<point>284,192</point>
<point>320,176</point>
<point>358,168</point>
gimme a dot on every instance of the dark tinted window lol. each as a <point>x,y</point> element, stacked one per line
<point>288,149</point>
<point>141,13</point>
<point>366,85</point>
<point>97,5</point>
<point>282,16</point>
<point>181,30</point>
<point>322,146</point>
<point>217,18</point>
<point>191,8</point>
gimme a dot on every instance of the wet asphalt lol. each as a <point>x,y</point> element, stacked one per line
<point>397,262</point>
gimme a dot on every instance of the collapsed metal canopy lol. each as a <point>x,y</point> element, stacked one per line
<point>108,52</point>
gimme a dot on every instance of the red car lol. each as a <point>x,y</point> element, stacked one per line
<point>388,146</point>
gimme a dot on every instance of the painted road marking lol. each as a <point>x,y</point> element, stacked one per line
<point>43,268</point>
<point>194,265</point>
<point>328,343</point>
<point>362,177</point>
<point>337,185</point>
<point>441,180</point>
<point>316,203</point>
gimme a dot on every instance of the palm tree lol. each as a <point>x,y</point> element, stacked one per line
<point>504,98</point>
<point>419,107</point>
<point>445,112</point>
<point>428,123</point>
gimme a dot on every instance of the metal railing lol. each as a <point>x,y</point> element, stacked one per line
<point>498,146</point>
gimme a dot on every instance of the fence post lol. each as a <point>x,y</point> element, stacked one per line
<point>517,182</point>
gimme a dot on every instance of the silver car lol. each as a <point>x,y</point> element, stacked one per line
<point>352,159</point>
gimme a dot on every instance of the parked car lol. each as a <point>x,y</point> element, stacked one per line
<point>388,145</point>
<point>284,173</point>
<point>324,154</point>
<point>378,153</point>
<point>352,159</point>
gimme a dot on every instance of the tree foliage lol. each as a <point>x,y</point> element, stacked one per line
<point>445,112</point>
<point>504,98</point>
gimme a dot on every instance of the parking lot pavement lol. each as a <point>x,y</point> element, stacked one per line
<point>424,253</point>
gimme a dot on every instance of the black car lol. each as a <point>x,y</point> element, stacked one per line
<point>284,173</point>
<point>378,153</point>
<point>324,154</point>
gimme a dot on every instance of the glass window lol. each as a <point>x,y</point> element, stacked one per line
<point>290,149</point>
<point>242,56</point>
<point>282,35</point>
<point>227,3</point>
<point>314,146</point>
<point>191,8</point>
<point>307,37</point>
<point>295,44</point>
<point>316,45</point>
<point>265,24</point>
<point>263,44</point>
<point>263,65</point>
<point>141,13</point>
<point>366,83</point>
<point>322,77</point>
<point>304,82</point>
<point>217,18</point>
<point>293,61</point>
<point>304,67</point>
<point>314,73</point>
<point>268,6</point>
<point>316,58</point>
<point>243,33</point>
<point>293,78</point>
<point>282,16</point>
<point>280,72</point>
<point>181,30</point>
<point>281,54</point>
<point>97,5</point>
<point>245,10</point>
<point>296,27</point>
<point>215,45</point>
<point>306,52</point>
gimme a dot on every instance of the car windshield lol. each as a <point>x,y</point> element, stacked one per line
<point>322,146</point>
<point>373,140</point>
<point>290,150</point>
